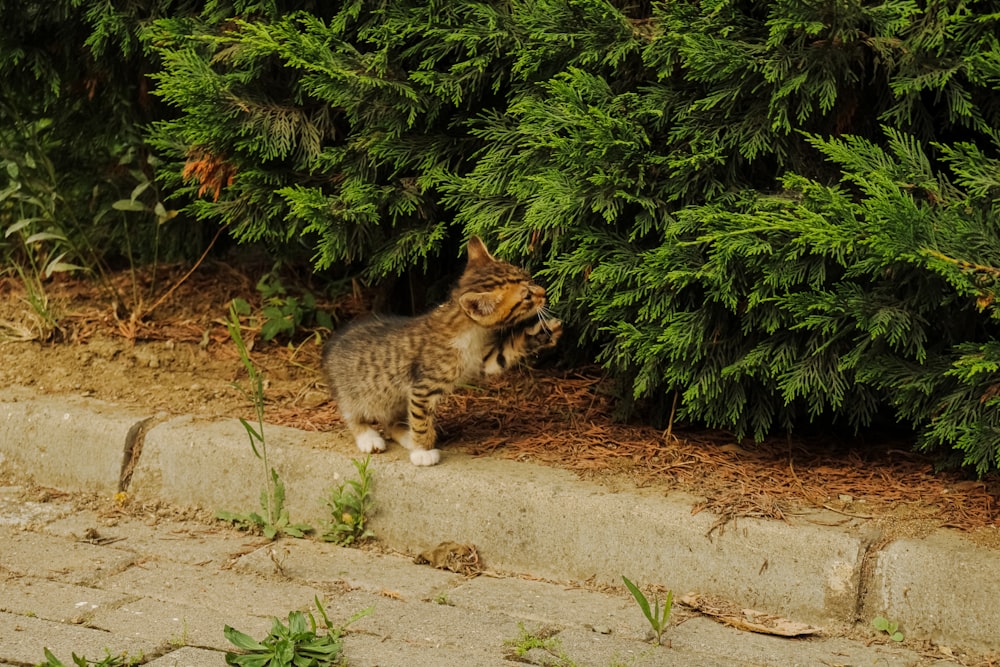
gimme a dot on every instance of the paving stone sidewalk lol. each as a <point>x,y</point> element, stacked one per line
<point>161,590</point>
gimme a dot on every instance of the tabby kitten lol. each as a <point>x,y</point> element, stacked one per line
<point>391,372</point>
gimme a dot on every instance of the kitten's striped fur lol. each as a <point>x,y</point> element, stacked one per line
<point>391,372</point>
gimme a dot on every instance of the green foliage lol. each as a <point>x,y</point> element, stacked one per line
<point>373,95</point>
<point>659,620</point>
<point>275,520</point>
<point>285,315</point>
<point>351,505</point>
<point>543,640</point>
<point>31,200</point>
<point>73,105</point>
<point>780,212</point>
<point>256,392</point>
<point>37,225</point>
<point>891,628</point>
<point>764,208</point>
<point>302,642</point>
<point>107,661</point>
<point>820,301</point>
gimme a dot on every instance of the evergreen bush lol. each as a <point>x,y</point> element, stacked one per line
<point>341,128</point>
<point>779,212</point>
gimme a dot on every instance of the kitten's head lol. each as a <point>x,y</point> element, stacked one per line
<point>494,293</point>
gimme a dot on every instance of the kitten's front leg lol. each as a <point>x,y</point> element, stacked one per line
<point>366,437</point>
<point>541,336</point>
<point>419,437</point>
<point>526,341</point>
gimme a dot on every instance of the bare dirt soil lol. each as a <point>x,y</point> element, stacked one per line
<point>169,350</point>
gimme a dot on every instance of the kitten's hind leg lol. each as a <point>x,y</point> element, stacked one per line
<point>418,435</point>
<point>401,434</point>
<point>425,457</point>
<point>420,457</point>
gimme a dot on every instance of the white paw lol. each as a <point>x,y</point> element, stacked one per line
<point>492,366</point>
<point>402,435</point>
<point>370,441</point>
<point>425,457</point>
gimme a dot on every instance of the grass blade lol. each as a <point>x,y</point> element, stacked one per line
<point>639,598</point>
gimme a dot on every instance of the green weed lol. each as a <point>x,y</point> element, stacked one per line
<point>659,620</point>
<point>53,231</point>
<point>350,506</point>
<point>891,628</point>
<point>275,520</point>
<point>543,639</point>
<point>109,660</point>
<point>142,210</point>
<point>48,235</point>
<point>180,639</point>
<point>46,322</point>
<point>38,244</point>
<point>300,643</point>
<point>282,314</point>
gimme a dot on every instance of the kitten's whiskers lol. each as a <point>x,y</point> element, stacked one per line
<point>543,317</point>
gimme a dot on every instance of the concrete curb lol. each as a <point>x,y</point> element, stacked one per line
<point>522,518</point>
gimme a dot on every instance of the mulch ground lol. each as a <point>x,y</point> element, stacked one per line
<point>562,419</point>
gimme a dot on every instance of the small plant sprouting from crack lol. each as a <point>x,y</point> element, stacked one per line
<point>302,641</point>
<point>659,620</point>
<point>120,660</point>
<point>274,521</point>
<point>891,628</point>
<point>543,639</point>
<point>350,506</point>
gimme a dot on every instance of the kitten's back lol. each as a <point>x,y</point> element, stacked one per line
<point>367,366</point>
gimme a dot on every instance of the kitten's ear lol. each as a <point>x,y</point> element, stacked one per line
<point>478,252</point>
<point>479,305</point>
